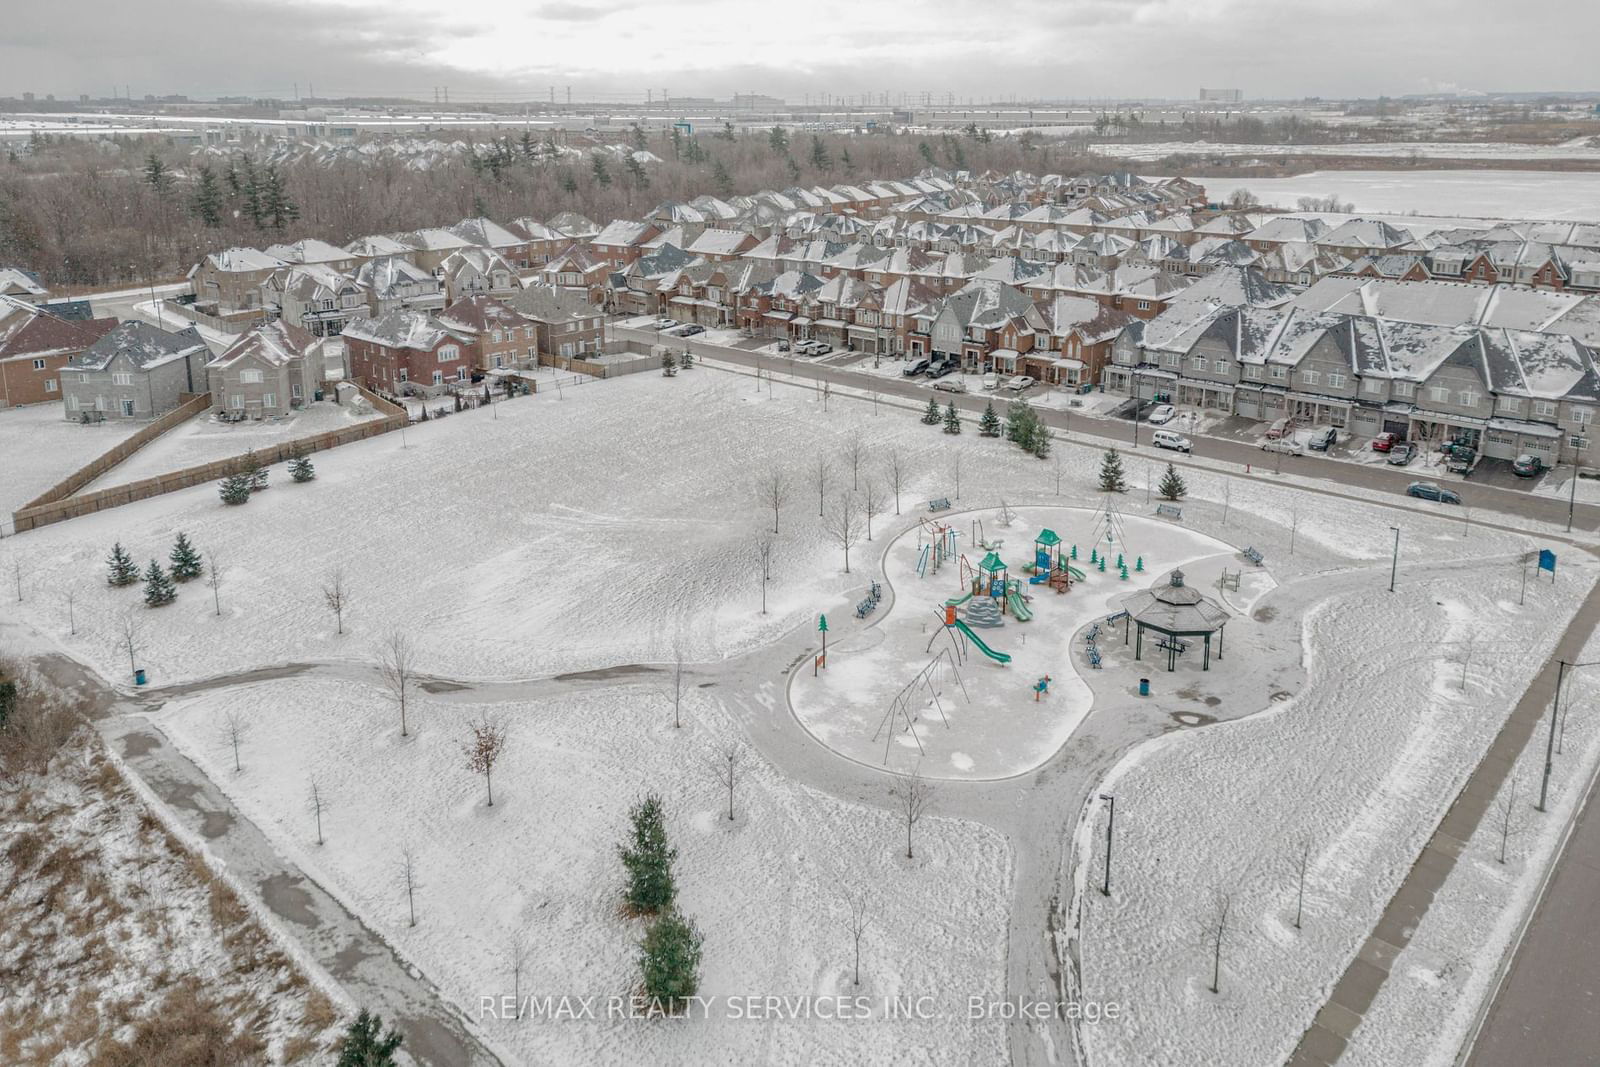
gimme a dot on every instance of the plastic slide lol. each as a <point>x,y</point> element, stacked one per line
<point>1019,607</point>
<point>957,601</point>
<point>998,657</point>
<point>1037,579</point>
<point>922,562</point>
<point>1076,574</point>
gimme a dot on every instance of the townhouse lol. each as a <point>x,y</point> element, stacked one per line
<point>407,351</point>
<point>134,371</point>
<point>314,297</point>
<point>34,345</point>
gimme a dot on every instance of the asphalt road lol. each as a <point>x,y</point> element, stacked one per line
<point>1367,479</point>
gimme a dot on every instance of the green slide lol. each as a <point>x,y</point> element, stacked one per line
<point>1019,607</point>
<point>998,657</point>
<point>1076,574</point>
<point>956,602</point>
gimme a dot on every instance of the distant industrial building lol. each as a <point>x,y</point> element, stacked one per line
<point>1221,96</point>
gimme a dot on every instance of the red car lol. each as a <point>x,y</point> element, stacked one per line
<point>1385,441</point>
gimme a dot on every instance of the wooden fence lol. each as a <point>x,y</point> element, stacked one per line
<point>228,326</point>
<point>192,404</point>
<point>59,509</point>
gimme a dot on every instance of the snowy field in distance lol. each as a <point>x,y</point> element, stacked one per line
<point>1517,194</point>
<point>40,447</point>
<point>1577,148</point>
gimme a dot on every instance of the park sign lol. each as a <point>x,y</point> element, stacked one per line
<point>822,620</point>
<point>1547,561</point>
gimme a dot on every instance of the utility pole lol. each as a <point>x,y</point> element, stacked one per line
<point>1550,742</point>
<point>1111,818</point>
<point>1522,597</point>
<point>1572,501</point>
<point>1394,566</point>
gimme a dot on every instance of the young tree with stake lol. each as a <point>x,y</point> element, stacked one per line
<point>843,525</point>
<point>726,767</point>
<point>912,793</point>
<point>873,502</point>
<point>518,949</point>
<point>409,881</point>
<point>316,803</point>
<point>1216,930</point>
<point>336,594</point>
<point>764,554</point>
<point>130,639</point>
<point>775,492</point>
<point>858,919</point>
<point>397,668</point>
<point>896,468</point>
<point>855,450</point>
<point>214,580</point>
<point>819,478</point>
<point>233,729</point>
<point>483,746</point>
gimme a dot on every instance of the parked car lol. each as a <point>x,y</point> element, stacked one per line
<point>1401,454</point>
<point>1461,460</point>
<point>1161,413</point>
<point>783,346</point>
<point>1171,439</point>
<point>665,324</point>
<point>1384,442</point>
<point>1429,491</point>
<point>1277,429</point>
<point>991,380</point>
<point>692,329</point>
<point>1527,466</point>
<point>951,385</point>
<point>915,367</point>
<point>1289,446</point>
<point>1019,383</point>
<point>939,370</point>
<point>1323,439</point>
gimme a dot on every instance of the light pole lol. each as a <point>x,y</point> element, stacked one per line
<point>1111,818</point>
<point>1394,566</point>
<point>1572,500</point>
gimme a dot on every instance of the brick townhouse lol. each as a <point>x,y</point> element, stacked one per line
<point>407,352</point>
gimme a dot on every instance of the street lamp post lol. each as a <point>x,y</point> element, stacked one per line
<point>1394,565</point>
<point>1572,500</point>
<point>1550,743</point>
<point>1111,818</point>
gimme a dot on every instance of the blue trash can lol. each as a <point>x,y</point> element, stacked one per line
<point>138,676</point>
<point>1144,685</point>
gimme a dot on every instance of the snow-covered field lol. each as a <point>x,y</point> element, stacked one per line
<point>1577,148</point>
<point>1502,194</point>
<point>40,447</point>
<point>768,890</point>
<point>203,439</point>
<point>1356,769</point>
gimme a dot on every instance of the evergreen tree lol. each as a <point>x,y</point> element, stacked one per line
<point>1041,444</point>
<point>792,167</point>
<point>528,147</point>
<point>952,421</point>
<point>1172,486</point>
<point>208,198</point>
<point>721,179</point>
<point>251,191</point>
<point>727,131</point>
<point>669,962</point>
<point>669,363</point>
<point>1112,479</point>
<point>231,178</point>
<point>687,359</point>
<point>301,470</point>
<point>597,167</point>
<point>1022,425</point>
<point>186,562</point>
<point>636,172</point>
<point>846,162</point>
<point>569,182</point>
<point>819,154</point>
<point>255,472</point>
<point>120,567</point>
<point>931,414</point>
<point>157,176</point>
<point>158,588</point>
<point>235,489</point>
<point>276,207</point>
<point>925,150</point>
<point>778,140</point>
<point>639,142</point>
<point>648,860</point>
<point>365,1045</point>
<point>989,423</point>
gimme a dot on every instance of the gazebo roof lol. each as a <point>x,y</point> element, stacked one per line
<point>1175,608</point>
<point>992,562</point>
<point>1047,537</point>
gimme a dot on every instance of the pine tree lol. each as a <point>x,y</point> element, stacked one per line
<point>778,140</point>
<point>597,167</point>
<point>1111,476</point>
<point>208,198</point>
<point>819,154</point>
<point>301,470</point>
<point>276,207</point>
<point>235,489</point>
<point>250,189</point>
<point>1172,486</point>
<point>186,562</point>
<point>528,147</point>
<point>569,182</point>
<point>846,162</point>
<point>721,179</point>
<point>989,424</point>
<point>952,421</point>
<point>669,962</point>
<point>365,1045</point>
<point>669,363</point>
<point>1022,426</point>
<point>931,414</point>
<point>639,142</point>
<point>158,588</point>
<point>255,472</point>
<point>157,176</point>
<point>648,860</point>
<point>641,180</point>
<point>686,361</point>
<point>1041,444</point>
<point>120,566</point>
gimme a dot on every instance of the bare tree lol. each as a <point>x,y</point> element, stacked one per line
<point>872,503</point>
<point>214,580</point>
<point>896,468</point>
<point>71,596</point>
<point>725,768</point>
<point>774,493</point>
<point>1301,861</point>
<point>1055,459</point>
<point>317,803</point>
<point>518,949</point>
<point>16,570</point>
<point>234,728</point>
<point>764,553</point>
<point>1216,930</point>
<point>1506,804</point>
<point>337,595</point>
<point>855,450</point>
<point>843,525</point>
<point>397,668</point>
<point>819,478</point>
<point>912,793</point>
<point>955,468</point>
<point>131,639</point>
<point>408,879</point>
<point>676,696</point>
<point>483,746</point>
<point>857,923</point>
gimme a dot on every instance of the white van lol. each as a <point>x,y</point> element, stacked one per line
<point>1171,439</point>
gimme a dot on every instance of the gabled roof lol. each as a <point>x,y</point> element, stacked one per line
<point>308,250</point>
<point>546,303</point>
<point>143,345</point>
<point>376,245</point>
<point>401,329</point>
<point>625,233</point>
<point>16,282</point>
<point>27,331</point>
<point>278,344</point>
<point>386,272</point>
<point>479,312</point>
<point>486,233</point>
<point>243,260</point>
<point>434,239</point>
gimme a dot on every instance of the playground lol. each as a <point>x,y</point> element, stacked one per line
<point>977,670</point>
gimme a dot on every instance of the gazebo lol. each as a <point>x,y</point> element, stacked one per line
<point>1175,611</point>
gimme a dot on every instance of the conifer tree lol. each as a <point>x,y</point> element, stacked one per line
<point>235,489</point>
<point>952,421</point>
<point>1022,426</point>
<point>1041,444</point>
<point>208,198</point>
<point>256,472</point>
<point>157,176</point>
<point>722,179</point>
<point>648,859</point>
<point>931,414</point>
<point>669,363</point>
<point>366,1045</point>
<point>597,167</point>
<point>686,361</point>
<point>301,470</point>
<point>121,570</point>
<point>669,962</point>
<point>158,588</point>
<point>1112,479</point>
<point>1172,486</point>
<point>186,562</point>
<point>989,423</point>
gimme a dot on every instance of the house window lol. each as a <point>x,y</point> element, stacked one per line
<point>1578,444</point>
<point>1439,394</point>
<point>1335,380</point>
<point>1253,373</point>
<point>1581,416</point>
<point>1198,362</point>
<point>1144,305</point>
<point>236,401</point>
<point>127,409</point>
<point>404,375</point>
<point>269,400</point>
<point>249,377</point>
<point>1404,389</point>
<point>1544,409</point>
<point>1279,373</point>
<point>448,353</point>
<point>1309,377</point>
<point>1508,405</point>
<point>50,385</point>
<point>1469,398</point>
<point>438,377</point>
<point>122,378</point>
<point>1373,386</point>
<point>494,335</point>
<point>72,403</point>
<point>38,364</point>
<point>461,373</point>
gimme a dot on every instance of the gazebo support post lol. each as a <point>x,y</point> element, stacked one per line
<point>1138,645</point>
<point>1205,664</point>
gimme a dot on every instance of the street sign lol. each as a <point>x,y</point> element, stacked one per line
<point>1547,561</point>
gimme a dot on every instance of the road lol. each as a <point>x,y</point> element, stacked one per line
<point>1366,479</point>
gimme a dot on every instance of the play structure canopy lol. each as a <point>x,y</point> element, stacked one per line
<point>1047,538</point>
<point>992,562</point>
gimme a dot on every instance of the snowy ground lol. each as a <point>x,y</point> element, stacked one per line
<point>985,722</point>
<point>1522,194</point>
<point>766,890</point>
<point>1578,148</point>
<point>203,439</point>
<point>53,448</point>
<point>1357,768</point>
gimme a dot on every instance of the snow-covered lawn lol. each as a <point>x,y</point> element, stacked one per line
<point>1523,194</point>
<point>1356,768</point>
<point>203,439</point>
<point>986,723</point>
<point>767,890</point>
<point>40,447</point>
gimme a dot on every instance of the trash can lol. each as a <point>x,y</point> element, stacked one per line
<point>138,676</point>
<point>1144,685</point>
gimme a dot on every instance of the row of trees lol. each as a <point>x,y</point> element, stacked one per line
<point>237,488</point>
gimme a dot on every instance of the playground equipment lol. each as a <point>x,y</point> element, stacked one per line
<point>922,561</point>
<point>866,606</point>
<point>952,625</point>
<point>1019,606</point>
<point>940,548</point>
<point>994,654</point>
<point>916,695</point>
<point>1041,687</point>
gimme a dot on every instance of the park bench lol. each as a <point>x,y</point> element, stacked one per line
<point>864,608</point>
<point>1170,511</point>
<point>1094,657</point>
<point>1172,644</point>
<point>1252,555</point>
<point>1112,620</point>
<point>1094,632</point>
<point>939,504</point>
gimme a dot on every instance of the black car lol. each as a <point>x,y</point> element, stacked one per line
<point>1429,491</point>
<point>915,368</point>
<point>1526,466</point>
<point>939,370</point>
<point>1401,454</point>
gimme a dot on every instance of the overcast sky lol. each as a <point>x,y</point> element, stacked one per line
<point>984,48</point>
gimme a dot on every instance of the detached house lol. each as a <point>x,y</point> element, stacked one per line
<point>565,323</point>
<point>496,335</point>
<point>22,285</point>
<point>227,284</point>
<point>34,345</point>
<point>135,371</point>
<point>478,270</point>
<point>406,352</point>
<point>269,371</point>
<point>315,298</point>
<point>392,282</point>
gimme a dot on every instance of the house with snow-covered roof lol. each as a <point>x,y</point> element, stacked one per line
<point>405,352</point>
<point>270,370</point>
<point>227,284</point>
<point>392,282</point>
<point>134,371</point>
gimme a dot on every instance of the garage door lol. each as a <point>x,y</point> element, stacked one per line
<point>1248,405</point>
<point>1500,445</point>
